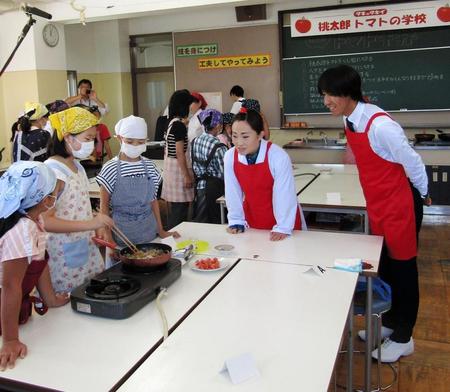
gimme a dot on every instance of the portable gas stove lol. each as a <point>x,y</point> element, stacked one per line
<point>121,290</point>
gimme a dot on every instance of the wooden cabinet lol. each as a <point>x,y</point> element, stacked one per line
<point>439,184</point>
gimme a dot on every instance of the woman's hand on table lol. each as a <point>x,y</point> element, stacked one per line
<point>274,236</point>
<point>235,229</point>
<point>10,351</point>
<point>165,234</point>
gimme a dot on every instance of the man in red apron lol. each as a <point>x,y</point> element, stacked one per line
<point>395,186</point>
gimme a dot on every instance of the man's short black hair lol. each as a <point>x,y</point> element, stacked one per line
<point>85,81</point>
<point>238,91</point>
<point>341,81</point>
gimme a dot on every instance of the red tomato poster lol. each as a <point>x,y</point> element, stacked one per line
<point>371,18</point>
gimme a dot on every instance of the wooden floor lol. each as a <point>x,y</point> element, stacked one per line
<point>428,369</point>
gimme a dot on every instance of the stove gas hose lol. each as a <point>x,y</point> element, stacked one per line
<point>162,292</point>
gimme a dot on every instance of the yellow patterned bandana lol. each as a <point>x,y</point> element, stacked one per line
<point>39,110</point>
<point>74,120</point>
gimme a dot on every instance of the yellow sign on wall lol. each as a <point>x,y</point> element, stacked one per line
<point>255,60</point>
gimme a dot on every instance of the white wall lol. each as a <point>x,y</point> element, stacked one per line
<point>98,47</point>
<point>11,25</point>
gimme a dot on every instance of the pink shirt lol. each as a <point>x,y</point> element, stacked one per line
<point>24,240</point>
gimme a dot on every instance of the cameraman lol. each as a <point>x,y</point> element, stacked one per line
<point>88,97</point>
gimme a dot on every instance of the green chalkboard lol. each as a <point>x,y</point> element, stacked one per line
<point>401,70</point>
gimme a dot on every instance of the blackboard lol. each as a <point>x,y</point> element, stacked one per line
<point>401,70</point>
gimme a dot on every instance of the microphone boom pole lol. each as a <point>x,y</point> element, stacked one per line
<point>29,11</point>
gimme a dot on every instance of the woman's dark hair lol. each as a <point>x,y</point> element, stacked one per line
<point>57,147</point>
<point>179,104</point>
<point>14,129</point>
<point>253,118</point>
<point>8,223</point>
<point>238,91</point>
<point>85,81</point>
<point>341,81</point>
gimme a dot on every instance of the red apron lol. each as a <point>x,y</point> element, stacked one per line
<point>30,280</point>
<point>256,182</point>
<point>388,194</point>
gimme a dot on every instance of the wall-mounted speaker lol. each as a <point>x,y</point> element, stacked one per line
<point>251,12</point>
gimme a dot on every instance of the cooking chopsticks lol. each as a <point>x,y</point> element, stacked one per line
<point>124,238</point>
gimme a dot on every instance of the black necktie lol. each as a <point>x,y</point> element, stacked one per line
<point>349,125</point>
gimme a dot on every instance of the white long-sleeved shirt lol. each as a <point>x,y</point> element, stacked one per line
<point>388,140</point>
<point>284,199</point>
<point>237,106</point>
<point>195,128</point>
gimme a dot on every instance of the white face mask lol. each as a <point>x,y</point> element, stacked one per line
<point>133,151</point>
<point>85,151</point>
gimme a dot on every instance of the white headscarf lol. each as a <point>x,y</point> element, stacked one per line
<point>132,127</point>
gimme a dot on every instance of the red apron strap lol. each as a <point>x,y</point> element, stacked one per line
<point>369,123</point>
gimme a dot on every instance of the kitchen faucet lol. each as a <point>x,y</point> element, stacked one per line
<point>324,137</point>
<point>308,133</point>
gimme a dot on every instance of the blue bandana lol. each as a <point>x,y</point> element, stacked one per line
<point>24,185</point>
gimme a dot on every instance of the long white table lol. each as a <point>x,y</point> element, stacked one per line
<point>71,351</point>
<point>303,247</point>
<point>290,322</point>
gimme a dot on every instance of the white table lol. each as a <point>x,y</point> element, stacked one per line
<point>303,247</point>
<point>289,321</point>
<point>94,189</point>
<point>70,351</point>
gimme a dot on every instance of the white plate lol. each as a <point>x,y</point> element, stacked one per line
<point>223,265</point>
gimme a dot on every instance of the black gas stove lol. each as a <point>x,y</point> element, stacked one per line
<point>121,290</point>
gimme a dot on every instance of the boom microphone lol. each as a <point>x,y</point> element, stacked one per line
<point>35,11</point>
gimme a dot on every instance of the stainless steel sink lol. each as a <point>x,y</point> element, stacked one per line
<point>324,143</point>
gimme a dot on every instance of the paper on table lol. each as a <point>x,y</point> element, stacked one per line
<point>241,368</point>
<point>315,270</point>
<point>334,197</point>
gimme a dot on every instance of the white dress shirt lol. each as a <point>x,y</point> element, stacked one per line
<point>284,199</point>
<point>388,140</point>
<point>237,106</point>
<point>195,128</point>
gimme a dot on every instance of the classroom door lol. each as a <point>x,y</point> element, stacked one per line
<point>153,93</point>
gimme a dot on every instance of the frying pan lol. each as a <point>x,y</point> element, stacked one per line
<point>424,137</point>
<point>125,253</point>
<point>445,137</point>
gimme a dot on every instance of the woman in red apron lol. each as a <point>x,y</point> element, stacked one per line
<point>259,185</point>
<point>25,192</point>
<point>393,178</point>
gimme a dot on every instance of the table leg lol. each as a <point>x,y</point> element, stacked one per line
<point>366,223</point>
<point>350,350</point>
<point>368,354</point>
<point>222,213</point>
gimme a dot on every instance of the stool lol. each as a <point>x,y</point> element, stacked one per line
<point>381,294</point>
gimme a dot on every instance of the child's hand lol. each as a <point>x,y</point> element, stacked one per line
<point>10,351</point>
<point>165,234</point>
<point>102,220</point>
<point>59,299</point>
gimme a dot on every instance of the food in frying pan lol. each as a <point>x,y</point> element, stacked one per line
<point>145,254</point>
